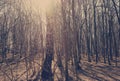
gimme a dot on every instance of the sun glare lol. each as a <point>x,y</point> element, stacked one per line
<point>44,5</point>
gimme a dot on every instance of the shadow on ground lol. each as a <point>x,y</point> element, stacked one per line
<point>99,72</point>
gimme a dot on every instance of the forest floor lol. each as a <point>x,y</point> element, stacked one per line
<point>99,72</point>
<point>92,71</point>
<point>16,71</point>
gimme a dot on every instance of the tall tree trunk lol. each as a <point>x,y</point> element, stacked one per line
<point>47,65</point>
<point>95,31</point>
